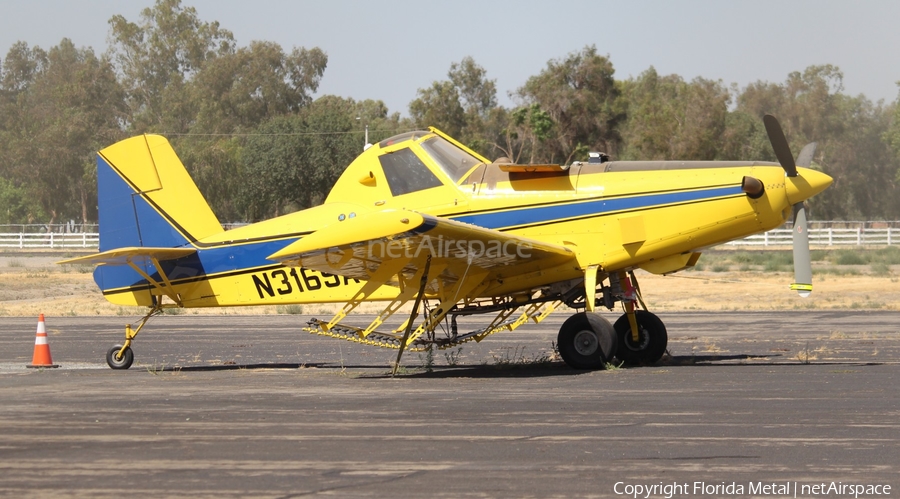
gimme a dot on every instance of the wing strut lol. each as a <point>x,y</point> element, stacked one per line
<point>413,314</point>
<point>165,287</point>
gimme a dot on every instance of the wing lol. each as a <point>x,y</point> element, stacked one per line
<point>357,247</point>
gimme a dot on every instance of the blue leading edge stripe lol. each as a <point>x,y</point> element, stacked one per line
<point>212,261</point>
<point>544,214</point>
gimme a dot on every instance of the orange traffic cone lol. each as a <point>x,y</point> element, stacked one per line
<point>41,347</point>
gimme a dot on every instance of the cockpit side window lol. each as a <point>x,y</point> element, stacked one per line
<point>406,173</point>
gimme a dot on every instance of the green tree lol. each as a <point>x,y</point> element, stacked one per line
<point>17,206</point>
<point>17,75</point>
<point>892,136</point>
<point>239,91</point>
<point>439,106</point>
<point>669,118</point>
<point>460,106</point>
<point>579,94</point>
<point>478,97</point>
<point>373,115</point>
<point>745,138</point>
<point>477,92</point>
<point>234,94</point>
<point>862,165</point>
<point>214,163</point>
<point>71,107</point>
<point>292,161</point>
<point>21,66</point>
<point>853,136</point>
<point>157,57</point>
<point>519,134</point>
<point>188,79</point>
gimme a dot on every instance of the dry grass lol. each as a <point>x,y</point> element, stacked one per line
<point>30,285</point>
<point>750,290</point>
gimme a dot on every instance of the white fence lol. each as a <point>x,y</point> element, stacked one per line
<point>50,240</point>
<point>862,235</point>
<point>858,236</point>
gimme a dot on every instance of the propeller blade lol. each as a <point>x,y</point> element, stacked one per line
<point>802,266</point>
<point>780,145</point>
<point>805,157</point>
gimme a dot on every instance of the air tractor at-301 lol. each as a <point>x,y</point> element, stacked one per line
<point>420,218</point>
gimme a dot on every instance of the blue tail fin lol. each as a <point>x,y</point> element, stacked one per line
<point>147,198</point>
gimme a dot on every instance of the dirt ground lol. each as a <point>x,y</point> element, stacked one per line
<point>31,283</point>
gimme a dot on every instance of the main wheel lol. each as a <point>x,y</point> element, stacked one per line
<point>124,362</point>
<point>651,343</point>
<point>587,341</point>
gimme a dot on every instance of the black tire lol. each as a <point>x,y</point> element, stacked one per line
<point>652,339</point>
<point>587,341</point>
<point>123,363</point>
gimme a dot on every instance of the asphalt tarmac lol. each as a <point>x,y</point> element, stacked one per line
<point>250,406</point>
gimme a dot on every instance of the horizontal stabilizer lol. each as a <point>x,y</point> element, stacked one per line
<point>133,255</point>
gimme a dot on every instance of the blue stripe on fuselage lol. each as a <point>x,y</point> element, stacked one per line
<point>226,259</point>
<point>544,214</point>
<point>204,262</point>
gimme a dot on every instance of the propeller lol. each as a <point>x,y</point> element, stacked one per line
<point>805,157</point>
<point>802,265</point>
<point>780,145</point>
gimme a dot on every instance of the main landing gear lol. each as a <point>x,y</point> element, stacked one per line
<point>587,340</point>
<point>651,341</point>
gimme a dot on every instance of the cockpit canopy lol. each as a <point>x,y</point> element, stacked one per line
<point>455,162</point>
<point>406,172</point>
<point>406,163</point>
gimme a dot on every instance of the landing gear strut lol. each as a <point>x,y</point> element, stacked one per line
<point>588,341</point>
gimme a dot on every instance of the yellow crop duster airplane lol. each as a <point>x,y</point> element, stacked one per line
<point>421,218</point>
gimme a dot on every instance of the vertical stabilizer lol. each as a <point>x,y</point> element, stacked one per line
<point>147,198</point>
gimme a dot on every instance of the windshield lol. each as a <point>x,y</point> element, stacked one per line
<point>454,161</point>
<point>406,173</point>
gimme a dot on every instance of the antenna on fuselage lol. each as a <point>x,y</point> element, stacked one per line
<point>366,144</point>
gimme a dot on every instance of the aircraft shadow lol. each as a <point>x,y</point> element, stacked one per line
<point>513,370</point>
<point>510,370</point>
<point>687,360</point>
<point>233,367</point>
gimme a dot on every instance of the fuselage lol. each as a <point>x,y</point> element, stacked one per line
<point>618,215</point>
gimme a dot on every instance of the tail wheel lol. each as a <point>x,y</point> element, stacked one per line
<point>651,343</point>
<point>127,357</point>
<point>587,341</point>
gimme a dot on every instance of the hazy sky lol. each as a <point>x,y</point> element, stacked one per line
<point>388,49</point>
